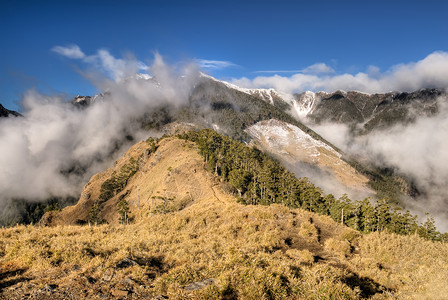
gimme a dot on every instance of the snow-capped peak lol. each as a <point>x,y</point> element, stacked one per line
<point>299,108</point>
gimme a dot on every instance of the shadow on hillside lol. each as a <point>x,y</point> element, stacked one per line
<point>156,265</point>
<point>367,286</point>
<point>6,282</point>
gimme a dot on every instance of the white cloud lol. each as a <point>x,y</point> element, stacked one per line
<point>55,136</point>
<point>115,68</point>
<point>214,64</point>
<point>72,51</point>
<point>432,71</point>
<point>319,68</point>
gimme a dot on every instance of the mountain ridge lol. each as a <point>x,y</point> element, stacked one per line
<point>228,109</point>
<point>4,113</point>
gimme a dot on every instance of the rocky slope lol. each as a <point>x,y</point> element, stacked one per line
<point>368,111</point>
<point>311,158</point>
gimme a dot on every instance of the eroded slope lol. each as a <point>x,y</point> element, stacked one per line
<point>308,157</point>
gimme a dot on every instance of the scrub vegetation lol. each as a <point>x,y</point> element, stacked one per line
<point>193,223</point>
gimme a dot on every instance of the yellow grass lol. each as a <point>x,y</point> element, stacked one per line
<point>234,251</point>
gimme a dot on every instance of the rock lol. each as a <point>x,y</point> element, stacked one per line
<point>119,293</point>
<point>199,284</point>
<point>129,280</point>
<point>108,275</point>
<point>126,263</point>
<point>103,296</point>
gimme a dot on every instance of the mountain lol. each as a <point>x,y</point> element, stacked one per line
<point>388,133</point>
<point>211,104</point>
<point>367,112</point>
<point>4,113</point>
<point>363,112</point>
<point>169,172</point>
<point>188,237</point>
<point>241,113</point>
<point>201,215</point>
<point>81,101</point>
<point>232,110</point>
<point>250,115</point>
<point>309,157</point>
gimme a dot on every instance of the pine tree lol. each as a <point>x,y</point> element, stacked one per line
<point>123,210</point>
<point>367,219</point>
<point>428,230</point>
<point>93,214</point>
<point>382,213</point>
<point>240,180</point>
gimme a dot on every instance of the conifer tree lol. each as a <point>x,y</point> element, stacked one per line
<point>260,179</point>
<point>93,213</point>
<point>123,210</point>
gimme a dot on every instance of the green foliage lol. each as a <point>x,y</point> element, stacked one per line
<point>165,207</point>
<point>123,210</point>
<point>94,211</point>
<point>152,142</point>
<point>52,206</point>
<point>428,229</point>
<point>257,178</point>
<point>117,182</point>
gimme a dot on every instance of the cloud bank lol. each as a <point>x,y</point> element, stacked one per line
<point>430,72</point>
<point>104,62</point>
<point>57,146</point>
<point>418,150</point>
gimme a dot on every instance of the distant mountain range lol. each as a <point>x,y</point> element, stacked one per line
<point>370,111</point>
<point>274,122</point>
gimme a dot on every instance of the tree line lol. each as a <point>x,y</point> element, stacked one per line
<point>257,178</point>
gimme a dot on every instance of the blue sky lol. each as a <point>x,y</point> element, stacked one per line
<point>344,37</point>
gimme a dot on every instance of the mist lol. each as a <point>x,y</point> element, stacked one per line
<point>325,180</point>
<point>57,146</point>
<point>418,150</point>
<point>430,72</point>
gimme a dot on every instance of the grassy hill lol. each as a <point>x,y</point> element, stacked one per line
<point>188,237</point>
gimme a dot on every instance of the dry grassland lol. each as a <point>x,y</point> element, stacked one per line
<point>204,245</point>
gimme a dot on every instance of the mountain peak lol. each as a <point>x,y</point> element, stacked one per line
<point>7,113</point>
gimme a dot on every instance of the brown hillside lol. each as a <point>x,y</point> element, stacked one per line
<point>175,171</point>
<point>202,244</point>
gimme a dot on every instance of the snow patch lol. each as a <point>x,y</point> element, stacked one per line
<point>306,104</point>
<point>281,136</point>
<point>301,107</point>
